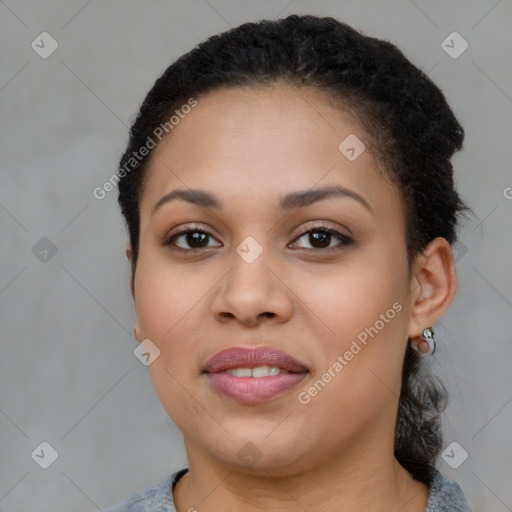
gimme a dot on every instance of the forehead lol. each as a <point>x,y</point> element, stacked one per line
<point>249,144</point>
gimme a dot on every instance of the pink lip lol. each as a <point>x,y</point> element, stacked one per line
<point>242,357</point>
<point>252,390</point>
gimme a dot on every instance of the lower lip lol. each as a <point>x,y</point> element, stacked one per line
<point>253,390</point>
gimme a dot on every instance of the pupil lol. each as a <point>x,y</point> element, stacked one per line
<point>319,238</point>
<point>197,239</point>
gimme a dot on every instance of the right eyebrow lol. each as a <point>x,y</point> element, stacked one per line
<point>193,196</point>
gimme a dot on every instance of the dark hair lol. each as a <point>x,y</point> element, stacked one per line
<point>410,129</point>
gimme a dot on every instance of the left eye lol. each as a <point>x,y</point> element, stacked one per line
<point>321,238</point>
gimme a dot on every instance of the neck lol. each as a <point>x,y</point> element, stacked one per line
<point>368,480</point>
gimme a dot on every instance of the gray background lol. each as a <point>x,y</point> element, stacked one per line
<point>68,373</point>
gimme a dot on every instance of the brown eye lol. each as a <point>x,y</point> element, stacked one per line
<point>321,238</point>
<point>189,239</point>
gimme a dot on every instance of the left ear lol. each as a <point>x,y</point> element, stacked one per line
<point>433,285</point>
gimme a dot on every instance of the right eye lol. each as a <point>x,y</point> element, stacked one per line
<point>196,238</point>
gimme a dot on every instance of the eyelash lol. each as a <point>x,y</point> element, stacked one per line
<point>320,228</point>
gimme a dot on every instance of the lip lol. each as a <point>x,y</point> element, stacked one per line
<point>253,390</point>
<point>243,357</point>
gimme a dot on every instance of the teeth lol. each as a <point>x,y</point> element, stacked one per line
<point>264,371</point>
<point>259,371</point>
<point>240,372</point>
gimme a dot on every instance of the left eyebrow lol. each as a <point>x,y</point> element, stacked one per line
<point>293,200</point>
<point>305,198</point>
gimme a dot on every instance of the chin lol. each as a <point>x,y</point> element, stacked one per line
<point>259,450</point>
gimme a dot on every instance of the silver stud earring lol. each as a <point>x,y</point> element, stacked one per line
<point>428,337</point>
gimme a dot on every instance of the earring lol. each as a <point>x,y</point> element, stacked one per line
<point>427,337</point>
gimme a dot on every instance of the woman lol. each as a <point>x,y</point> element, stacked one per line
<point>289,198</point>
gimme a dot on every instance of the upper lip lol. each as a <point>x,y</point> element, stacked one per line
<point>244,357</point>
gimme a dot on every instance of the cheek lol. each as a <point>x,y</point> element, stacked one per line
<point>168,303</point>
<point>165,294</point>
<point>343,301</point>
<point>358,360</point>
<point>360,313</point>
<point>170,310</point>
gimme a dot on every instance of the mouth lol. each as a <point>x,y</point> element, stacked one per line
<point>253,375</point>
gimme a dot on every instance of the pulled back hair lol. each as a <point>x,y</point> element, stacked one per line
<point>409,128</point>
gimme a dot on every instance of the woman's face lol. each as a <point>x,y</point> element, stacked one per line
<point>338,304</point>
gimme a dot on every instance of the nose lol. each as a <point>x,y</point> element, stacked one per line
<point>253,292</point>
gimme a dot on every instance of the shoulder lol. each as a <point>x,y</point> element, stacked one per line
<point>446,496</point>
<point>153,499</point>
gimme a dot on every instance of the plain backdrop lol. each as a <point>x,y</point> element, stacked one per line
<point>68,375</point>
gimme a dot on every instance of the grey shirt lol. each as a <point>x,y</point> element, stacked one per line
<point>444,496</point>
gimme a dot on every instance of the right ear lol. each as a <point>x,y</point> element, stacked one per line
<point>129,255</point>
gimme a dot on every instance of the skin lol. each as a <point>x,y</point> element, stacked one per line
<point>248,148</point>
